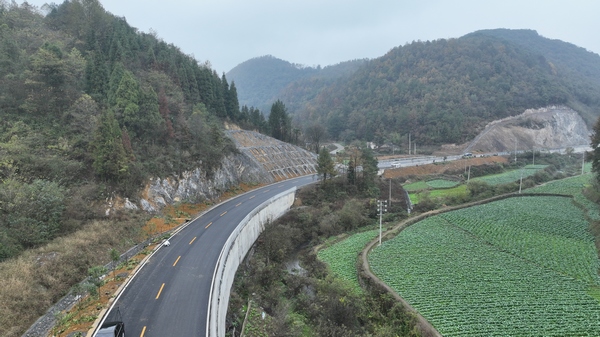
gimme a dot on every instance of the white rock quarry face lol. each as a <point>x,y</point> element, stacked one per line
<point>547,128</point>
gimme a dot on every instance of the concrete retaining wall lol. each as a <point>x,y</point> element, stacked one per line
<point>235,249</point>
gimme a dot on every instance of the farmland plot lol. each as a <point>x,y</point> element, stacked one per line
<point>548,231</point>
<point>442,183</point>
<point>513,268</point>
<point>573,186</point>
<point>341,257</point>
<point>510,176</point>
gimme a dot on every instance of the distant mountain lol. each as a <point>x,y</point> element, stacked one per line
<point>261,80</point>
<point>446,91</point>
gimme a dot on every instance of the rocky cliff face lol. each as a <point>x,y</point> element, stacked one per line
<point>196,186</point>
<point>261,160</point>
<point>546,128</point>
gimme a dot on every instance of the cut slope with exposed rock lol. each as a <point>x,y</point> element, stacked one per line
<point>261,160</point>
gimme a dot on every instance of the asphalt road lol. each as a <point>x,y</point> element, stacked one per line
<point>169,295</point>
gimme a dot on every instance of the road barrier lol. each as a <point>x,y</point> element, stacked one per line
<point>235,249</point>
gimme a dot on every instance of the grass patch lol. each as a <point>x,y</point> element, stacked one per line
<point>416,186</point>
<point>34,281</point>
<point>510,176</point>
<point>455,192</point>
<point>441,183</point>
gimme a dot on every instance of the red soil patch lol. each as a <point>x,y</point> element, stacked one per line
<point>442,168</point>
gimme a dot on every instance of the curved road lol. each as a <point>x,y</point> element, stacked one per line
<point>169,296</point>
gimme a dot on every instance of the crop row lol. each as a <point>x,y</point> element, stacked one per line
<point>341,256</point>
<point>466,286</point>
<point>510,176</point>
<point>458,191</point>
<point>549,231</point>
<point>416,186</point>
<point>573,186</point>
<point>442,183</point>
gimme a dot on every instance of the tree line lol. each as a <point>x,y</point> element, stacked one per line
<point>92,108</point>
<point>446,91</point>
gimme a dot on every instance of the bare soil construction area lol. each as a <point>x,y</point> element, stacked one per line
<point>449,167</point>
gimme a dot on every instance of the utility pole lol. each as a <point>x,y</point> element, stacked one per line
<point>582,162</point>
<point>469,174</point>
<point>516,150</point>
<point>521,181</point>
<point>409,145</point>
<point>381,207</point>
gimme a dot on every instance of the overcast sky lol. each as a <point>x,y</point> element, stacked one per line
<point>325,32</point>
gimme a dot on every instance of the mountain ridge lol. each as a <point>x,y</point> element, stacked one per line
<point>447,90</point>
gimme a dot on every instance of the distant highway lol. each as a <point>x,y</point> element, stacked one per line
<point>169,296</point>
<point>423,160</point>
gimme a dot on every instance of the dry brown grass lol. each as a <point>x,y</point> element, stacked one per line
<point>34,281</point>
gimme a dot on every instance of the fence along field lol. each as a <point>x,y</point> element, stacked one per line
<point>522,266</point>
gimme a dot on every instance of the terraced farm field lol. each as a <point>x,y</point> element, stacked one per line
<point>341,256</point>
<point>522,266</point>
<point>572,186</point>
<point>457,191</point>
<point>510,176</point>
<point>442,183</point>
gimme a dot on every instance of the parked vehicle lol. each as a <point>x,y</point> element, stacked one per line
<point>112,329</point>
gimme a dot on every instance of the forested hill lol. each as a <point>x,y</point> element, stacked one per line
<point>445,91</point>
<point>90,106</point>
<point>261,80</point>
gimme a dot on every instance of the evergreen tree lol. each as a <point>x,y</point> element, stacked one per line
<point>127,98</point>
<point>110,159</point>
<point>113,83</point>
<point>218,104</point>
<point>233,105</point>
<point>279,122</point>
<point>351,176</point>
<point>149,120</point>
<point>163,108</point>
<point>595,144</point>
<point>325,164</point>
<point>96,77</point>
<point>369,171</point>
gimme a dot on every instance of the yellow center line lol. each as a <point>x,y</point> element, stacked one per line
<point>208,225</point>
<point>176,260</point>
<point>194,239</point>
<point>252,197</point>
<point>160,291</point>
<point>143,331</point>
<point>238,204</point>
<point>223,213</point>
